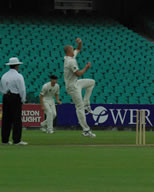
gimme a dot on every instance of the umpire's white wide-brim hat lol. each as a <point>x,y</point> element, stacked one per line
<point>14,61</point>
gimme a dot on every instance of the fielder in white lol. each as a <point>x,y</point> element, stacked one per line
<point>49,90</point>
<point>74,86</point>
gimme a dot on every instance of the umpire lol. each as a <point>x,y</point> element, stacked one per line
<point>14,94</point>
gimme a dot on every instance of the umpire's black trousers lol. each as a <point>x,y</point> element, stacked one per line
<point>11,118</point>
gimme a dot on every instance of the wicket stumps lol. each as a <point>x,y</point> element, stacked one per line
<point>140,127</point>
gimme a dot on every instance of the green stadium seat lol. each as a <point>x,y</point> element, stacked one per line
<point>144,100</point>
<point>111,100</point>
<point>123,100</point>
<point>133,100</point>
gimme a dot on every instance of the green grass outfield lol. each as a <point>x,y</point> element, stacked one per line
<point>69,162</point>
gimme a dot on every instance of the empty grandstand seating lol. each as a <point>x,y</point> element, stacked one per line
<point>122,61</point>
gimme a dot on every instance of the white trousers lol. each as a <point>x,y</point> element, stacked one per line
<point>76,94</point>
<point>50,111</point>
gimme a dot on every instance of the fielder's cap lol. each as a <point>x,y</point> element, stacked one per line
<point>14,61</point>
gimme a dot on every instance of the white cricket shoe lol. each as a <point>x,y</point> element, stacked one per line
<point>88,109</point>
<point>43,129</point>
<point>21,143</point>
<point>88,134</point>
<point>9,143</point>
<point>50,131</point>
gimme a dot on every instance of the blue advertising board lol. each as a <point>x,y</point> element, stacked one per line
<point>122,115</point>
